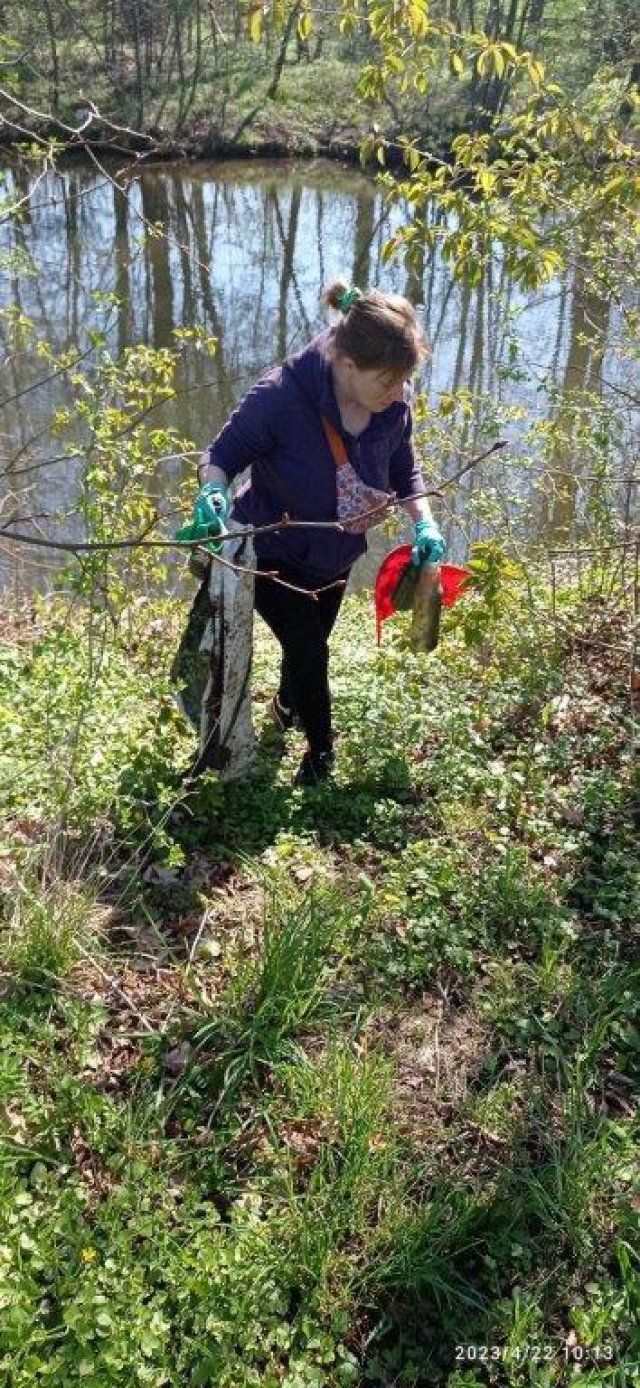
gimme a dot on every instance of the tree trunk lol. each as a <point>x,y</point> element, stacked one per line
<point>288,28</point>
<point>189,99</point>
<point>55,68</point>
<point>137,57</point>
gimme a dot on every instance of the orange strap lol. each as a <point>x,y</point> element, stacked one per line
<point>336,443</point>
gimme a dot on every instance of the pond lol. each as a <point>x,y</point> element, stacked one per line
<point>245,250</point>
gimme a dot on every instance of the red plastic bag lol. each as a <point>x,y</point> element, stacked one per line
<point>452,579</point>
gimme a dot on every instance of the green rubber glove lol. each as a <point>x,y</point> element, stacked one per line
<point>209,515</point>
<point>428,544</point>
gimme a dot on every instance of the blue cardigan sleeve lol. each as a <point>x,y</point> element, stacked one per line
<point>251,432</point>
<point>405,477</point>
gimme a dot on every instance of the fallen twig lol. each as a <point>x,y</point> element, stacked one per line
<point>115,988</point>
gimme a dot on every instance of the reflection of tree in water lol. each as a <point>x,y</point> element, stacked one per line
<point>588,328</point>
<point>158,295</point>
<point>472,325</point>
<point>72,236</point>
<point>184,246</point>
<point>122,262</point>
<point>287,272</point>
<point>205,311</point>
<point>363,237</point>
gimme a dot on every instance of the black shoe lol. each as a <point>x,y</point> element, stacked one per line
<point>284,718</point>
<point>314,767</point>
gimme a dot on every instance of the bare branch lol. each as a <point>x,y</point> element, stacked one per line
<point>74,130</point>
<point>374,515</point>
<point>15,207</point>
<point>473,462</point>
<point>35,385</point>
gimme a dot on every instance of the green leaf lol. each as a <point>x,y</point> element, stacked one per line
<point>305,25</point>
<point>412,158</point>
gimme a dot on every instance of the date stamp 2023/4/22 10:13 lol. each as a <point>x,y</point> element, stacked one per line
<point>562,1353</point>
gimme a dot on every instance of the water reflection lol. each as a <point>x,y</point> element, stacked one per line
<point>245,250</point>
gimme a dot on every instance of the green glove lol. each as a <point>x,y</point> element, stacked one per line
<point>428,544</point>
<point>209,516</point>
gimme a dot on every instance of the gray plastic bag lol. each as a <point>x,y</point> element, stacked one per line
<point>212,666</point>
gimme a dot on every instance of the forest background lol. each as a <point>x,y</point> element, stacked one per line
<point>207,77</point>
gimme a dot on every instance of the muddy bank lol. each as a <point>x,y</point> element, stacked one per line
<point>264,138</point>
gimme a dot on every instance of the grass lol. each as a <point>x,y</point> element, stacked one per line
<point>322,1087</point>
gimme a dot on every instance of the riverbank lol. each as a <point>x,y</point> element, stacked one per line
<point>236,117</point>
<point>322,1087</point>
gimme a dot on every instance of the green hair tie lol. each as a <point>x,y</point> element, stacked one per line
<point>348,298</point>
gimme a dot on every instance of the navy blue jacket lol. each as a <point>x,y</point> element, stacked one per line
<point>277,431</point>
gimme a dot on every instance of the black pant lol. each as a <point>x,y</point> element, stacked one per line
<point>302,626</point>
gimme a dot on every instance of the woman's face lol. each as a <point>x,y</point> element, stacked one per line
<point>371,389</point>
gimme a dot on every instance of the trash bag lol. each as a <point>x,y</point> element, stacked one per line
<point>397,580</point>
<point>211,670</point>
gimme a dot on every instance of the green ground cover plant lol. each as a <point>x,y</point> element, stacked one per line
<point>331,1086</point>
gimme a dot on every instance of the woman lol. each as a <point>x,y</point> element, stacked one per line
<point>326,436</point>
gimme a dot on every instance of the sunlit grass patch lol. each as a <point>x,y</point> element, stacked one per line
<point>45,929</point>
<point>275,997</point>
